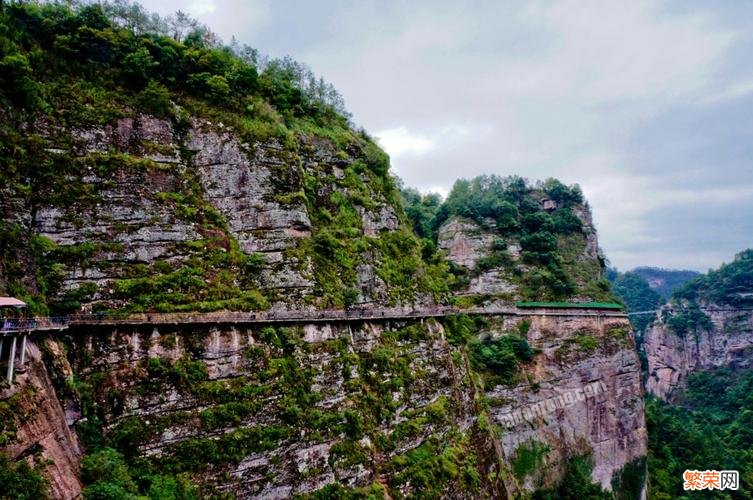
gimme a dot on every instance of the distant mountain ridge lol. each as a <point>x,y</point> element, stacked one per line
<point>664,281</point>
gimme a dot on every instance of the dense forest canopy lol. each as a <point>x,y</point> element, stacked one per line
<point>711,428</point>
<point>118,42</point>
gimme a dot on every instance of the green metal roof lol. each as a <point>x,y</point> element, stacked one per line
<point>572,305</point>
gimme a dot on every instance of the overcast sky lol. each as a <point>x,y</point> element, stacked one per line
<point>647,105</point>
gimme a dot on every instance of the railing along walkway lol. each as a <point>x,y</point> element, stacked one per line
<point>16,325</point>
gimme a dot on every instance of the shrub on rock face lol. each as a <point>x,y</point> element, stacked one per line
<point>350,296</point>
<point>16,81</point>
<point>576,484</point>
<point>502,355</point>
<point>155,99</point>
<point>106,474</point>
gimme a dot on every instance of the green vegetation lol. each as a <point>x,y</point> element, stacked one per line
<point>637,295</point>
<point>664,281</point>
<point>687,319</point>
<point>528,458</point>
<point>730,285</point>
<point>120,42</point>
<point>421,211</point>
<point>497,359</point>
<point>552,239</point>
<point>461,328</point>
<point>628,482</point>
<point>336,491</point>
<point>381,388</point>
<point>106,476</point>
<point>576,484</point>
<point>408,265</point>
<point>500,356</point>
<point>19,480</point>
<point>429,468</point>
<point>710,428</point>
<point>584,343</point>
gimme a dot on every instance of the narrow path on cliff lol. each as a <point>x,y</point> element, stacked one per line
<point>294,316</point>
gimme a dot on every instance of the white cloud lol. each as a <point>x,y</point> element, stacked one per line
<point>201,7</point>
<point>734,90</point>
<point>627,51</point>
<point>400,141</point>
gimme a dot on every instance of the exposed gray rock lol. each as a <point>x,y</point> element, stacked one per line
<point>672,358</point>
<point>490,283</point>
<point>374,221</point>
<point>464,241</point>
<point>604,412</point>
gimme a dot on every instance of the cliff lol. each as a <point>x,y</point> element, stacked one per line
<point>154,192</point>
<point>34,427</point>
<point>580,396</point>
<point>395,407</point>
<point>671,358</point>
<point>708,325</point>
<point>209,221</point>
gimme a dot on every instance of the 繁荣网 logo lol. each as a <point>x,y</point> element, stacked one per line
<point>710,480</point>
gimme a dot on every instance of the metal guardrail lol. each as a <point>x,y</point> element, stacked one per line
<point>12,325</point>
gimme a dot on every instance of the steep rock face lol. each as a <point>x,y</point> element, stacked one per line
<point>235,179</point>
<point>273,412</point>
<point>464,243</point>
<point>146,196</point>
<point>581,395</point>
<point>591,250</point>
<point>671,358</point>
<point>34,427</point>
<point>241,184</point>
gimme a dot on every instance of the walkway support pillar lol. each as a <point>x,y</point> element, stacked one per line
<point>23,351</point>
<point>11,360</point>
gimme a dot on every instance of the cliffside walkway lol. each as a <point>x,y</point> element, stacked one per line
<point>20,328</point>
<point>13,329</point>
<point>325,316</point>
<point>10,327</point>
<point>19,325</point>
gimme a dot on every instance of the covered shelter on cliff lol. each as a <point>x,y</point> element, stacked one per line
<point>12,307</point>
